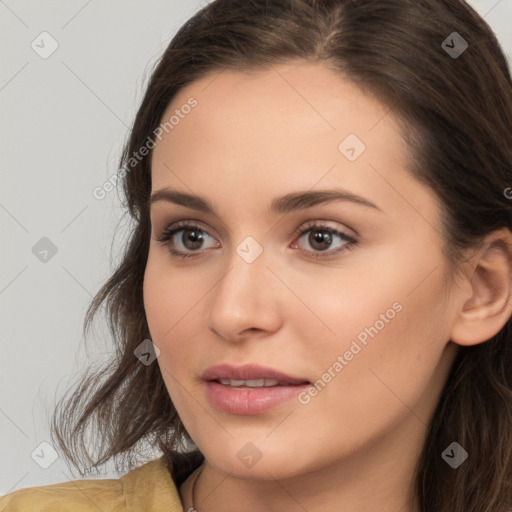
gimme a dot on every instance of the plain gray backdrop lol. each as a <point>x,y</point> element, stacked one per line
<point>66,111</point>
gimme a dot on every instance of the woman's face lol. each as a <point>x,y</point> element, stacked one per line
<point>347,295</point>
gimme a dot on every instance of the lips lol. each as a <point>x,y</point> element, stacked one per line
<point>249,389</point>
<point>250,372</point>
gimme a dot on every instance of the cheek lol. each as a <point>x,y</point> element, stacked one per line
<point>172,299</point>
<point>389,327</point>
<point>172,304</point>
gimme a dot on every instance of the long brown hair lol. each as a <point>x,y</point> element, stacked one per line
<point>455,112</point>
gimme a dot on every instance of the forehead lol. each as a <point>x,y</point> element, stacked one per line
<point>292,126</point>
<point>300,100</point>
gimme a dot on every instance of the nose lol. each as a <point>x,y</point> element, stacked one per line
<point>245,302</point>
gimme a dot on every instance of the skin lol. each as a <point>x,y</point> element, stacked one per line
<point>257,136</point>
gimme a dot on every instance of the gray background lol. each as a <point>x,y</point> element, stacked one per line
<point>64,121</point>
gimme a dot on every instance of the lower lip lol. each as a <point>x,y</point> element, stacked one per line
<point>248,401</point>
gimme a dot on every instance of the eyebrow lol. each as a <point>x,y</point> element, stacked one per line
<point>281,205</point>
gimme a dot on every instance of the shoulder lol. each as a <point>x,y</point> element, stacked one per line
<point>146,488</point>
<point>79,495</point>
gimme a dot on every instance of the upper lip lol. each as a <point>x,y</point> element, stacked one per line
<point>248,372</point>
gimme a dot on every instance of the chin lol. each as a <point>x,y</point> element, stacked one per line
<point>258,459</point>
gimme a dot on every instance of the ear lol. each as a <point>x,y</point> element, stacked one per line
<point>489,306</point>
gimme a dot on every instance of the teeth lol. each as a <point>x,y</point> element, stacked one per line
<point>257,383</point>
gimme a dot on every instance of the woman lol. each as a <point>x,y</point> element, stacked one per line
<point>313,311</point>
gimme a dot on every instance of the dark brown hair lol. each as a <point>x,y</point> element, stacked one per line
<point>456,117</point>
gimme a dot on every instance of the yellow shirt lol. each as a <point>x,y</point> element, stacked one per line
<point>148,488</point>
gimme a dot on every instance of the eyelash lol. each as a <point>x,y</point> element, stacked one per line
<point>169,232</point>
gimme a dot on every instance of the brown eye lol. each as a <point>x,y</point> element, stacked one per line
<point>319,238</point>
<point>188,243</point>
<point>192,238</point>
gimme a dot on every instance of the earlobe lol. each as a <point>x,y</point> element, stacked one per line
<point>489,308</point>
